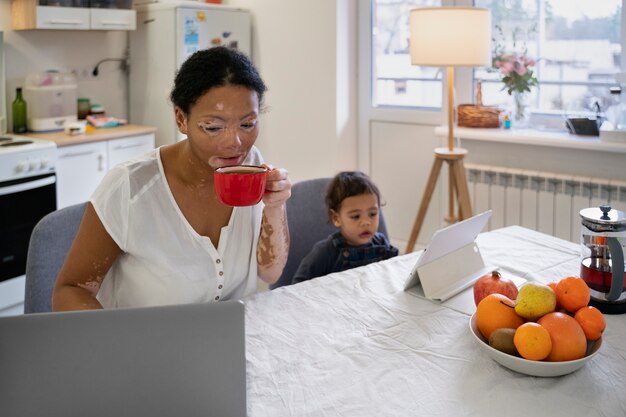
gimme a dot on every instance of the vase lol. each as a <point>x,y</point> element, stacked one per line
<point>521,111</point>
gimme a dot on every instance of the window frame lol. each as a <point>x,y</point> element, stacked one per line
<point>464,77</point>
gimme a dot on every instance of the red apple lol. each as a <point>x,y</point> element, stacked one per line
<point>493,283</point>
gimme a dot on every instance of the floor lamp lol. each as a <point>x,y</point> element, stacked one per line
<point>449,37</point>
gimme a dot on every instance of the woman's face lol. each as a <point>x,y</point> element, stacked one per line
<point>222,126</point>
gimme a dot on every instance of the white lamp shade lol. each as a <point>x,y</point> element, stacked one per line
<point>450,36</point>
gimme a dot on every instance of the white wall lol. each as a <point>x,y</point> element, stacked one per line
<point>306,53</point>
<point>38,50</point>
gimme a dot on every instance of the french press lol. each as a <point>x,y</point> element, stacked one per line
<point>603,243</point>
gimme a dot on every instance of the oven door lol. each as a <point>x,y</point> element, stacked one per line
<point>23,203</point>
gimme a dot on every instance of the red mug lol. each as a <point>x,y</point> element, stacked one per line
<point>240,185</point>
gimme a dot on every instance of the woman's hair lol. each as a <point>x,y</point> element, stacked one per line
<point>348,184</point>
<point>210,68</point>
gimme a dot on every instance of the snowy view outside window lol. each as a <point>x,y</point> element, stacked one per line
<point>576,44</point>
<point>395,81</point>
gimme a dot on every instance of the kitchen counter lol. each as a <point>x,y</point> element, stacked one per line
<point>63,139</point>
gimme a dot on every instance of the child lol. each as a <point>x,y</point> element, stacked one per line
<point>353,202</point>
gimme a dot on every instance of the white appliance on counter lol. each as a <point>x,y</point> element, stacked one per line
<point>51,97</point>
<point>27,193</point>
<point>168,32</point>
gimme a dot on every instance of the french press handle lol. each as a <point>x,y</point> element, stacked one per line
<point>617,268</point>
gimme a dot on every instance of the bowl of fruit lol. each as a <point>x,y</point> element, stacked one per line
<point>546,330</point>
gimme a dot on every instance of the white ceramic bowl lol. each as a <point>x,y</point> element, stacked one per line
<point>528,367</point>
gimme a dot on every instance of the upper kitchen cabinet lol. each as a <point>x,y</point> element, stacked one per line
<point>73,14</point>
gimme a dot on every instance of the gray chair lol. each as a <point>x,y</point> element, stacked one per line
<point>307,217</point>
<point>49,244</point>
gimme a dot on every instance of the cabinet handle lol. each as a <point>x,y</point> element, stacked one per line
<point>100,162</point>
<point>65,22</point>
<point>113,23</point>
<point>132,145</point>
<point>72,154</point>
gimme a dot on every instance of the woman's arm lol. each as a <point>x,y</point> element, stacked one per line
<point>89,259</point>
<point>273,245</point>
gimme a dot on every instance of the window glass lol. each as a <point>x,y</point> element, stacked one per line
<point>395,82</point>
<point>576,45</point>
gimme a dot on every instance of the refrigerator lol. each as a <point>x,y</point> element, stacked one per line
<point>167,33</point>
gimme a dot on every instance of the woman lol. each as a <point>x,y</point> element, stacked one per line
<point>154,232</point>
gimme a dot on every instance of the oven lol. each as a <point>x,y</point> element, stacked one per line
<point>27,193</point>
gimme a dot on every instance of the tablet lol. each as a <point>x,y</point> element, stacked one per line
<point>451,262</point>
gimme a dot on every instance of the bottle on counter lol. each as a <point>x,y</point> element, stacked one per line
<point>83,107</point>
<point>19,112</point>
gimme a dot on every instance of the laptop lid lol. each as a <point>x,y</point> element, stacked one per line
<point>182,360</point>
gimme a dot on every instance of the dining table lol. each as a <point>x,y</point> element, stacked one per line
<point>355,343</point>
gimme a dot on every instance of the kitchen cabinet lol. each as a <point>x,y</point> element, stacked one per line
<point>80,168</point>
<point>121,150</point>
<point>71,14</point>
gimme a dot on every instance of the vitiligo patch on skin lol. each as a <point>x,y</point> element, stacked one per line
<point>204,126</point>
<point>92,286</point>
<point>266,255</point>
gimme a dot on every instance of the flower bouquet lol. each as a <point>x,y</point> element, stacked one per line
<point>517,73</point>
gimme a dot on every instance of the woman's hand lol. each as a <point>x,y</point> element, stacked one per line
<point>278,187</point>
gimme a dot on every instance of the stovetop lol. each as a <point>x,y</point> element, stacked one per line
<point>17,143</point>
<point>23,157</point>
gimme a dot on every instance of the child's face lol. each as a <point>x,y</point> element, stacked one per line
<point>357,218</point>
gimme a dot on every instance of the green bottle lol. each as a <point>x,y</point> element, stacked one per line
<point>19,112</point>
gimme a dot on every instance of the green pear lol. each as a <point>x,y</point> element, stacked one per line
<point>534,300</point>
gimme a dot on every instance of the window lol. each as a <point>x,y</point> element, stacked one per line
<point>577,46</point>
<point>395,82</point>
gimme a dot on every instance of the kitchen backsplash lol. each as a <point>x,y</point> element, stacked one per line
<point>33,51</point>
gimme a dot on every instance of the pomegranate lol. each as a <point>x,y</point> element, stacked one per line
<point>494,283</point>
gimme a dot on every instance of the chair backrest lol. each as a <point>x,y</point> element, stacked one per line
<point>307,217</point>
<point>49,243</point>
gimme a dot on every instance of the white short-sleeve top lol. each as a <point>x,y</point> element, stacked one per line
<point>164,260</point>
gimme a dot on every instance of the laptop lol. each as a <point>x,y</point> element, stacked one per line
<point>451,263</point>
<point>181,360</point>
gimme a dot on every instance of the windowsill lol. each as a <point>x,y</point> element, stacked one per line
<point>534,137</point>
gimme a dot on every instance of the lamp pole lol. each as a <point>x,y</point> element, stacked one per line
<point>448,37</point>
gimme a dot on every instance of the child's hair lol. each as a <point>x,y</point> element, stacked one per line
<point>348,184</point>
<point>211,68</point>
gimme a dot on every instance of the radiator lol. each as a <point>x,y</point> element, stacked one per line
<point>544,201</point>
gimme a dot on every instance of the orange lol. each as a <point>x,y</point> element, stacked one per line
<point>494,312</point>
<point>592,321</point>
<point>532,341</point>
<point>568,338</point>
<point>553,285</point>
<point>572,293</point>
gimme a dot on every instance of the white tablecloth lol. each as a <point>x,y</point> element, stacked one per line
<point>355,344</point>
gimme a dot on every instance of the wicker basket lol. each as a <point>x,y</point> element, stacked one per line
<point>470,115</point>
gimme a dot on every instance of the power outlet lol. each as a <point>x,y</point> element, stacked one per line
<point>81,73</point>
